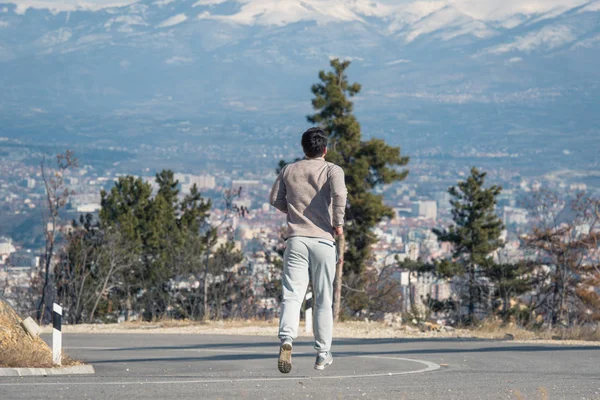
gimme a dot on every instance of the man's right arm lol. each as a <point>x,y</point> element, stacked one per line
<point>278,194</point>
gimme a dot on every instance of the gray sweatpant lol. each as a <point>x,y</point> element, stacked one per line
<point>316,257</point>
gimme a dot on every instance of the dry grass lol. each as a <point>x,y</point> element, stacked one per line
<point>347,329</point>
<point>579,333</point>
<point>243,327</point>
<point>18,349</point>
<point>498,330</point>
<point>26,357</point>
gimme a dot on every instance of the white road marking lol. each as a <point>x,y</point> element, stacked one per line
<point>226,351</point>
<point>429,366</point>
<point>186,350</point>
<point>236,351</point>
<point>93,348</point>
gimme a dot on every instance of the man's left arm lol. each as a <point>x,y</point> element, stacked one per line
<point>278,194</point>
<point>339,194</point>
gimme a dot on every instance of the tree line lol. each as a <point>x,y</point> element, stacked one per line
<point>155,255</point>
<point>151,256</point>
<point>555,284</point>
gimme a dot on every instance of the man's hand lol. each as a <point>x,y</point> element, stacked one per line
<point>341,245</point>
<point>338,230</point>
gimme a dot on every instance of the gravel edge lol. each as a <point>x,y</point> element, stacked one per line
<point>341,331</point>
<point>75,370</point>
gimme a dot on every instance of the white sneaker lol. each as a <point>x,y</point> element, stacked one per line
<point>284,364</point>
<point>323,360</point>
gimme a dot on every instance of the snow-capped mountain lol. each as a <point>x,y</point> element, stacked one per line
<point>257,58</point>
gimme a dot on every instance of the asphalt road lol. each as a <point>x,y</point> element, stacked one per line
<point>156,366</point>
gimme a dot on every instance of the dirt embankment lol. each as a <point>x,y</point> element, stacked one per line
<point>17,347</point>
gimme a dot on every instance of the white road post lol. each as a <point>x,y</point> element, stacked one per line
<point>56,334</point>
<point>308,314</point>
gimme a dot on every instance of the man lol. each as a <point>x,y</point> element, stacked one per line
<point>312,193</point>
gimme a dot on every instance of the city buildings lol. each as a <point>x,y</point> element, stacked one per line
<point>426,209</point>
<point>419,204</point>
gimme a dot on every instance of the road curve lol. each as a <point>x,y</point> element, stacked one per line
<point>173,366</point>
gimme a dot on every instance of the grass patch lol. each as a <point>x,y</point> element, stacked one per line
<point>18,349</point>
<point>498,330</point>
<point>488,329</point>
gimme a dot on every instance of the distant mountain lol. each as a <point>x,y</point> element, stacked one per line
<point>474,68</point>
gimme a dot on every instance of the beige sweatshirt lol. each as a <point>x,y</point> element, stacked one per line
<point>312,192</point>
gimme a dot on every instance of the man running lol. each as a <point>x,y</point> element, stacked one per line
<point>312,193</point>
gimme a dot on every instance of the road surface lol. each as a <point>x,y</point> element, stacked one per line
<point>171,366</point>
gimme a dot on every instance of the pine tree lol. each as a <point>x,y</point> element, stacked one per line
<point>126,205</point>
<point>167,231</point>
<point>367,164</point>
<point>509,281</point>
<point>194,210</point>
<point>125,208</point>
<point>475,234</point>
<point>167,186</point>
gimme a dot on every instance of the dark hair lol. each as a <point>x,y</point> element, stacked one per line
<point>314,142</point>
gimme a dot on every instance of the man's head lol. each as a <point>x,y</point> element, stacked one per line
<point>314,143</point>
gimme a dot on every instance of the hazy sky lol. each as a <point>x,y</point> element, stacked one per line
<point>478,9</point>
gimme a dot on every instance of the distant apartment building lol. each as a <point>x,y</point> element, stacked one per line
<point>203,181</point>
<point>425,209</point>
<point>443,200</point>
<point>417,288</point>
<point>89,208</point>
<point>187,181</point>
<point>411,251</point>
<point>85,203</point>
<point>29,183</point>
<point>403,212</point>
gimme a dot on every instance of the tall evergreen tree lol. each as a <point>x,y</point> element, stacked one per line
<point>165,229</point>
<point>194,210</point>
<point>475,234</point>
<point>167,186</point>
<point>125,207</point>
<point>367,164</point>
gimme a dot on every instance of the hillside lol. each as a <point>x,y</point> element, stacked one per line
<point>457,69</point>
